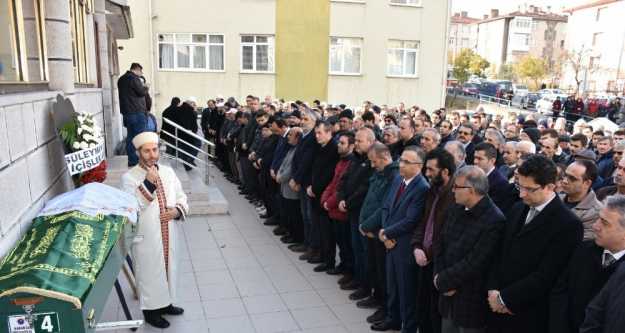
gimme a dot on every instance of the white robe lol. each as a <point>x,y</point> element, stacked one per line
<point>156,285</point>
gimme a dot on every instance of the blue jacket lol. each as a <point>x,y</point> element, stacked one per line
<point>280,153</point>
<point>400,218</point>
<point>379,184</point>
<point>303,158</point>
<point>605,165</point>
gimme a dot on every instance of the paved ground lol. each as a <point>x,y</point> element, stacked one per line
<point>238,277</point>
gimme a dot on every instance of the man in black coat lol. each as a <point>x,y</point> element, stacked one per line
<point>132,105</point>
<point>470,237</point>
<point>500,190</point>
<point>351,194</point>
<point>605,314</point>
<point>466,135</point>
<point>407,136</point>
<point>540,236</point>
<point>322,173</point>
<point>589,269</point>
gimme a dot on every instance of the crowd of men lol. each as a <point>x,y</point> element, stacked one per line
<point>441,221</point>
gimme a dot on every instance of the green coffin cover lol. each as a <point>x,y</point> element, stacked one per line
<point>60,256</point>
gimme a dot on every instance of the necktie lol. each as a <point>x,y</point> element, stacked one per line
<point>530,215</point>
<point>400,191</point>
<point>608,259</point>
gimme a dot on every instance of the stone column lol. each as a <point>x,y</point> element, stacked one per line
<point>111,116</point>
<point>59,45</point>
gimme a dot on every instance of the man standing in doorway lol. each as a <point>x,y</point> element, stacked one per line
<point>132,93</point>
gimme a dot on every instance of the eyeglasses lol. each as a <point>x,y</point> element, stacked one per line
<point>401,160</point>
<point>519,187</point>
<point>456,187</point>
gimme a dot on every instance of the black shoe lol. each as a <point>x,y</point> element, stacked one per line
<point>307,255</point>
<point>359,294</point>
<point>287,239</point>
<point>336,270</point>
<point>321,267</point>
<point>280,231</point>
<point>265,216</point>
<point>249,197</point>
<point>298,248</point>
<point>153,317</point>
<point>385,325</point>
<point>271,222</point>
<point>316,259</point>
<point>368,303</point>
<point>351,285</point>
<point>377,316</point>
<point>172,310</point>
<point>347,278</point>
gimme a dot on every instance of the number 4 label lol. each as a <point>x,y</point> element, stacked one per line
<point>47,322</point>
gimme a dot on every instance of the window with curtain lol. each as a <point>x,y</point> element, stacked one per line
<point>78,17</point>
<point>191,52</point>
<point>345,55</point>
<point>257,53</point>
<point>22,41</point>
<point>402,58</point>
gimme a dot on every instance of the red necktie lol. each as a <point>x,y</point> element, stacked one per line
<point>400,191</point>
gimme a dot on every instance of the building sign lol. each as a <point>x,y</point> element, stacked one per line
<point>85,160</point>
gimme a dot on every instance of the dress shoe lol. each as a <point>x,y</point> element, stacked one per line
<point>359,294</point>
<point>172,310</point>
<point>287,239</point>
<point>307,255</point>
<point>351,285</point>
<point>336,270</point>
<point>265,216</point>
<point>298,248</point>
<point>377,316</point>
<point>385,325</point>
<point>271,222</point>
<point>280,231</point>
<point>368,303</point>
<point>153,317</point>
<point>347,278</point>
<point>321,267</point>
<point>316,259</point>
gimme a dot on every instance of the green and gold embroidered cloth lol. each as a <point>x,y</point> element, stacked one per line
<point>60,256</point>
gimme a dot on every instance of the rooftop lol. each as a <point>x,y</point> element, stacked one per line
<point>463,18</point>
<point>532,11</point>
<point>590,4</point>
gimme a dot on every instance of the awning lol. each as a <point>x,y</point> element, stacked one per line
<point>118,18</point>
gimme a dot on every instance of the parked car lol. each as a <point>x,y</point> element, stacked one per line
<point>470,89</point>
<point>499,88</point>
<point>545,103</point>
<point>544,92</point>
<point>520,89</point>
<point>527,101</point>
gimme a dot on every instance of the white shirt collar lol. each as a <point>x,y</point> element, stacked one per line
<point>616,255</point>
<point>541,207</point>
<point>490,171</point>
<point>408,181</point>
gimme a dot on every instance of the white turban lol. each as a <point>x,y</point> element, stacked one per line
<point>143,138</point>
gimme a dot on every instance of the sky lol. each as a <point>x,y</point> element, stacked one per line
<point>477,8</point>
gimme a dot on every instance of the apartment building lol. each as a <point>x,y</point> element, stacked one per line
<point>462,33</point>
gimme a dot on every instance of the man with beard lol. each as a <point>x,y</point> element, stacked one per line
<point>351,194</point>
<point>162,201</point>
<point>439,169</point>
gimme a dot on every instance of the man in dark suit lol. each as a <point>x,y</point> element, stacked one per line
<point>540,236</point>
<point>465,251</point>
<point>500,190</point>
<point>590,268</point>
<point>439,169</point>
<point>401,211</point>
<point>465,135</point>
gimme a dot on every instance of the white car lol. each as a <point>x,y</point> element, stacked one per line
<point>545,103</point>
<point>520,89</point>
<point>544,92</point>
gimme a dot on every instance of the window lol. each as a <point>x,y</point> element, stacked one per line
<point>452,41</point>
<point>521,40</point>
<point>523,23</point>
<point>406,2</point>
<point>78,14</point>
<point>22,42</point>
<point>345,55</point>
<point>191,52</point>
<point>257,53</point>
<point>465,43</point>
<point>597,39</point>
<point>402,58</point>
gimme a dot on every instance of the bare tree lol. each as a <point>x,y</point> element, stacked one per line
<point>582,64</point>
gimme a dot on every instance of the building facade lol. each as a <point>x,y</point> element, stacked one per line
<point>505,39</point>
<point>596,34</point>
<point>345,51</point>
<point>51,49</point>
<point>462,34</point>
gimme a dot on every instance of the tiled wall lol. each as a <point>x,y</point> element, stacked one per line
<point>32,168</point>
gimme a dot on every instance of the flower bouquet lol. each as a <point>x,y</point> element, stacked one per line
<point>84,140</point>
